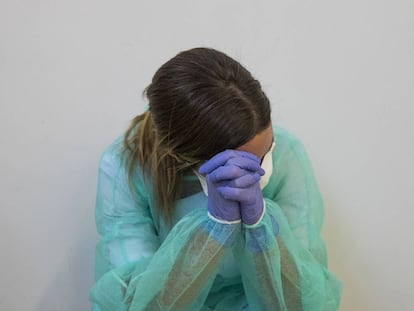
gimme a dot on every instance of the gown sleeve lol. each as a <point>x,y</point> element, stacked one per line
<point>134,270</point>
<point>283,258</point>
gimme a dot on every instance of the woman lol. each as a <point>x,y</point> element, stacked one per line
<point>202,205</point>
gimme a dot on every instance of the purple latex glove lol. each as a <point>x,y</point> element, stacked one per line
<point>241,159</point>
<point>221,209</point>
<point>226,174</point>
<point>250,199</point>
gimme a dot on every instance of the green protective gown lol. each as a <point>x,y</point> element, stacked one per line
<point>196,263</point>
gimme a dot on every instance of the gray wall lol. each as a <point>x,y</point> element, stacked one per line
<point>339,75</point>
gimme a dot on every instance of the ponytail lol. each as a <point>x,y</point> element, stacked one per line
<point>156,159</point>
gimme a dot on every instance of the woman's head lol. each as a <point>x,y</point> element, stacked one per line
<point>203,102</point>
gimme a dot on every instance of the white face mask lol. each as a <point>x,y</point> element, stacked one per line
<point>267,165</point>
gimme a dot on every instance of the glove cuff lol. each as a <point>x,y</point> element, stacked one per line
<point>224,222</point>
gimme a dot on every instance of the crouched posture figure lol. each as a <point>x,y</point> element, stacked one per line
<point>204,205</point>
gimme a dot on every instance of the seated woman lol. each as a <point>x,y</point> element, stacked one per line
<point>204,205</point>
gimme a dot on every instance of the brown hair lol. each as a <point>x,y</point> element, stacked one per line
<point>201,102</point>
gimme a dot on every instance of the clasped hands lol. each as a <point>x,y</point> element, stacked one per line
<point>233,182</point>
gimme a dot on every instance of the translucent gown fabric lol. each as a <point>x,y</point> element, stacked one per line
<point>196,263</point>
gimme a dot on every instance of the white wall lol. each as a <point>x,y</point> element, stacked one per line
<point>340,76</point>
